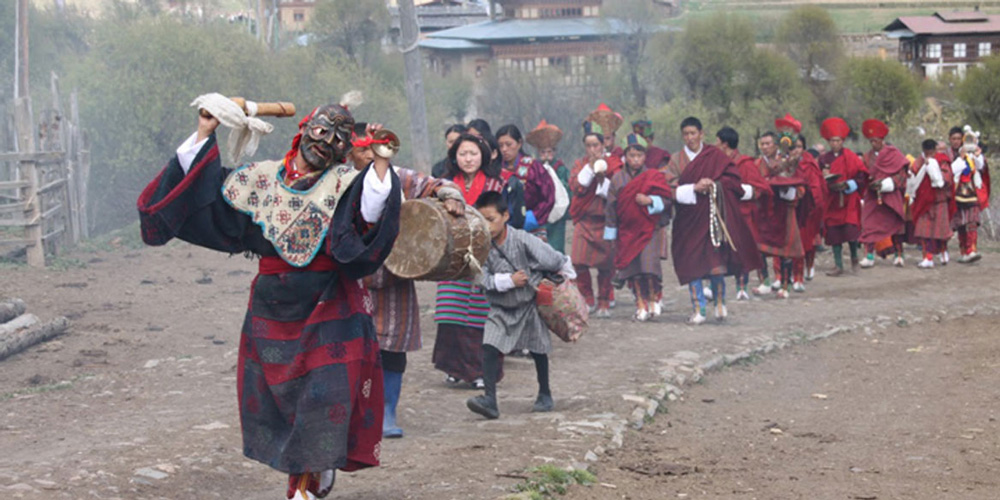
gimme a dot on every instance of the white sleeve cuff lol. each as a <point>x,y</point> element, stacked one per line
<point>503,282</point>
<point>567,269</point>
<point>657,206</point>
<point>373,196</point>
<point>934,171</point>
<point>788,194</point>
<point>979,161</point>
<point>888,185</point>
<point>686,195</point>
<point>188,150</point>
<point>603,189</point>
<point>586,176</point>
<point>747,192</point>
<point>977,180</point>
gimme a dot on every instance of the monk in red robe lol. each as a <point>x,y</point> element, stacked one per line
<point>933,203</point>
<point>590,181</point>
<point>755,189</point>
<point>845,174</point>
<point>710,238</point>
<point>883,217</point>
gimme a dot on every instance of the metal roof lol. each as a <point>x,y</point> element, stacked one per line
<point>519,29</point>
<point>450,44</point>
<point>953,23</point>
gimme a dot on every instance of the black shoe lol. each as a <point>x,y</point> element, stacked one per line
<point>485,406</point>
<point>543,403</point>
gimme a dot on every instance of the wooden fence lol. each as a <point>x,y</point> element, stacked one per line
<point>44,171</point>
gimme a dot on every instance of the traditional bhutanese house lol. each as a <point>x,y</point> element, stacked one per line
<point>437,15</point>
<point>560,38</point>
<point>294,15</point>
<point>945,43</point>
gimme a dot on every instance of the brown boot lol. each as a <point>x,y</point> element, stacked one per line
<point>835,272</point>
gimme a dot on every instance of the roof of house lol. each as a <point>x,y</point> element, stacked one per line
<point>516,29</point>
<point>944,23</point>
<point>450,44</point>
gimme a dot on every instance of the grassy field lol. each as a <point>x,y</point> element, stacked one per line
<point>849,20</point>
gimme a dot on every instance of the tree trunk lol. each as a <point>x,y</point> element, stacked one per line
<point>415,87</point>
<point>11,309</point>
<point>23,339</point>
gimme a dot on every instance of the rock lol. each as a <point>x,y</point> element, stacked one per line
<point>47,485</point>
<point>151,473</point>
<point>687,356</point>
<point>21,487</point>
<point>214,426</point>
<point>151,363</point>
<point>590,456</point>
<point>634,399</point>
<point>168,468</point>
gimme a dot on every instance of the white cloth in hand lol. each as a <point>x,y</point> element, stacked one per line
<point>503,282</point>
<point>374,195</point>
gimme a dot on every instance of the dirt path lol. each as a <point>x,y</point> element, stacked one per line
<point>908,413</point>
<point>138,401</point>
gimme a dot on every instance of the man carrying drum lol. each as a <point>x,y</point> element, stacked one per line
<point>308,376</point>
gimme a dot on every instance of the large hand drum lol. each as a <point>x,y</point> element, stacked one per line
<point>434,245</point>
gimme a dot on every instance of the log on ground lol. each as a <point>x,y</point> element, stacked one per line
<point>24,338</point>
<point>22,321</point>
<point>11,309</point>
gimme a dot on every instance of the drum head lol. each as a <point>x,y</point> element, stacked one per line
<point>422,241</point>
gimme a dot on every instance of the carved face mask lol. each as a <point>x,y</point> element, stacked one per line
<point>327,137</point>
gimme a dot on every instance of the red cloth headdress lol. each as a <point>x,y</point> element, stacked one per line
<point>874,128</point>
<point>787,122</point>
<point>834,127</point>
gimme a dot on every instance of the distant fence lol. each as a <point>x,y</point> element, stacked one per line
<point>44,171</point>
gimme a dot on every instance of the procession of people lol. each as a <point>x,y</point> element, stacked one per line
<point>328,327</point>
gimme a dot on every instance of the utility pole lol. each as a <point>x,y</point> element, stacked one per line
<point>414,67</point>
<point>21,54</point>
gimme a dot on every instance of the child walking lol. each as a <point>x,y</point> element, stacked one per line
<point>517,263</point>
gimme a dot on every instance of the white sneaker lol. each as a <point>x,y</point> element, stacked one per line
<point>612,304</point>
<point>782,294</point>
<point>300,496</point>
<point>478,384</point>
<point>763,289</point>
<point>973,257</point>
<point>898,262</point>
<point>721,313</point>
<point>810,273</point>
<point>926,264</point>
<point>592,309</point>
<point>696,319</point>
<point>742,295</point>
<point>708,293</point>
<point>657,308</point>
<point>603,313</point>
<point>775,285</point>
<point>798,286</point>
<point>866,263</point>
<point>944,258</point>
<point>641,315</point>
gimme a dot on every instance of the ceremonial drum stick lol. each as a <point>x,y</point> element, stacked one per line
<point>276,109</point>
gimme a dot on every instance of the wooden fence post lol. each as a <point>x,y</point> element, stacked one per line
<point>29,194</point>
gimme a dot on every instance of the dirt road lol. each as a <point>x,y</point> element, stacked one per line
<point>138,400</point>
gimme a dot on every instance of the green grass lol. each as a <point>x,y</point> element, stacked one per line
<point>546,481</point>
<point>849,20</point>
<point>41,389</point>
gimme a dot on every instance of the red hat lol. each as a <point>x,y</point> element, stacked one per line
<point>788,122</point>
<point>544,136</point>
<point>874,128</point>
<point>606,118</point>
<point>834,127</point>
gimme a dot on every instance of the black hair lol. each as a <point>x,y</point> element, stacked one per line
<point>770,134</point>
<point>929,145</point>
<point>729,136</point>
<point>458,127</point>
<point>691,122</point>
<point>360,129</point>
<point>493,199</point>
<point>956,130</point>
<point>813,151</point>
<point>514,133</point>
<point>488,167</point>
<point>801,138</point>
<point>636,146</point>
<point>481,126</point>
<point>600,137</point>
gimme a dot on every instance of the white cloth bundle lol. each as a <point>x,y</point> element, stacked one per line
<point>246,128</point>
